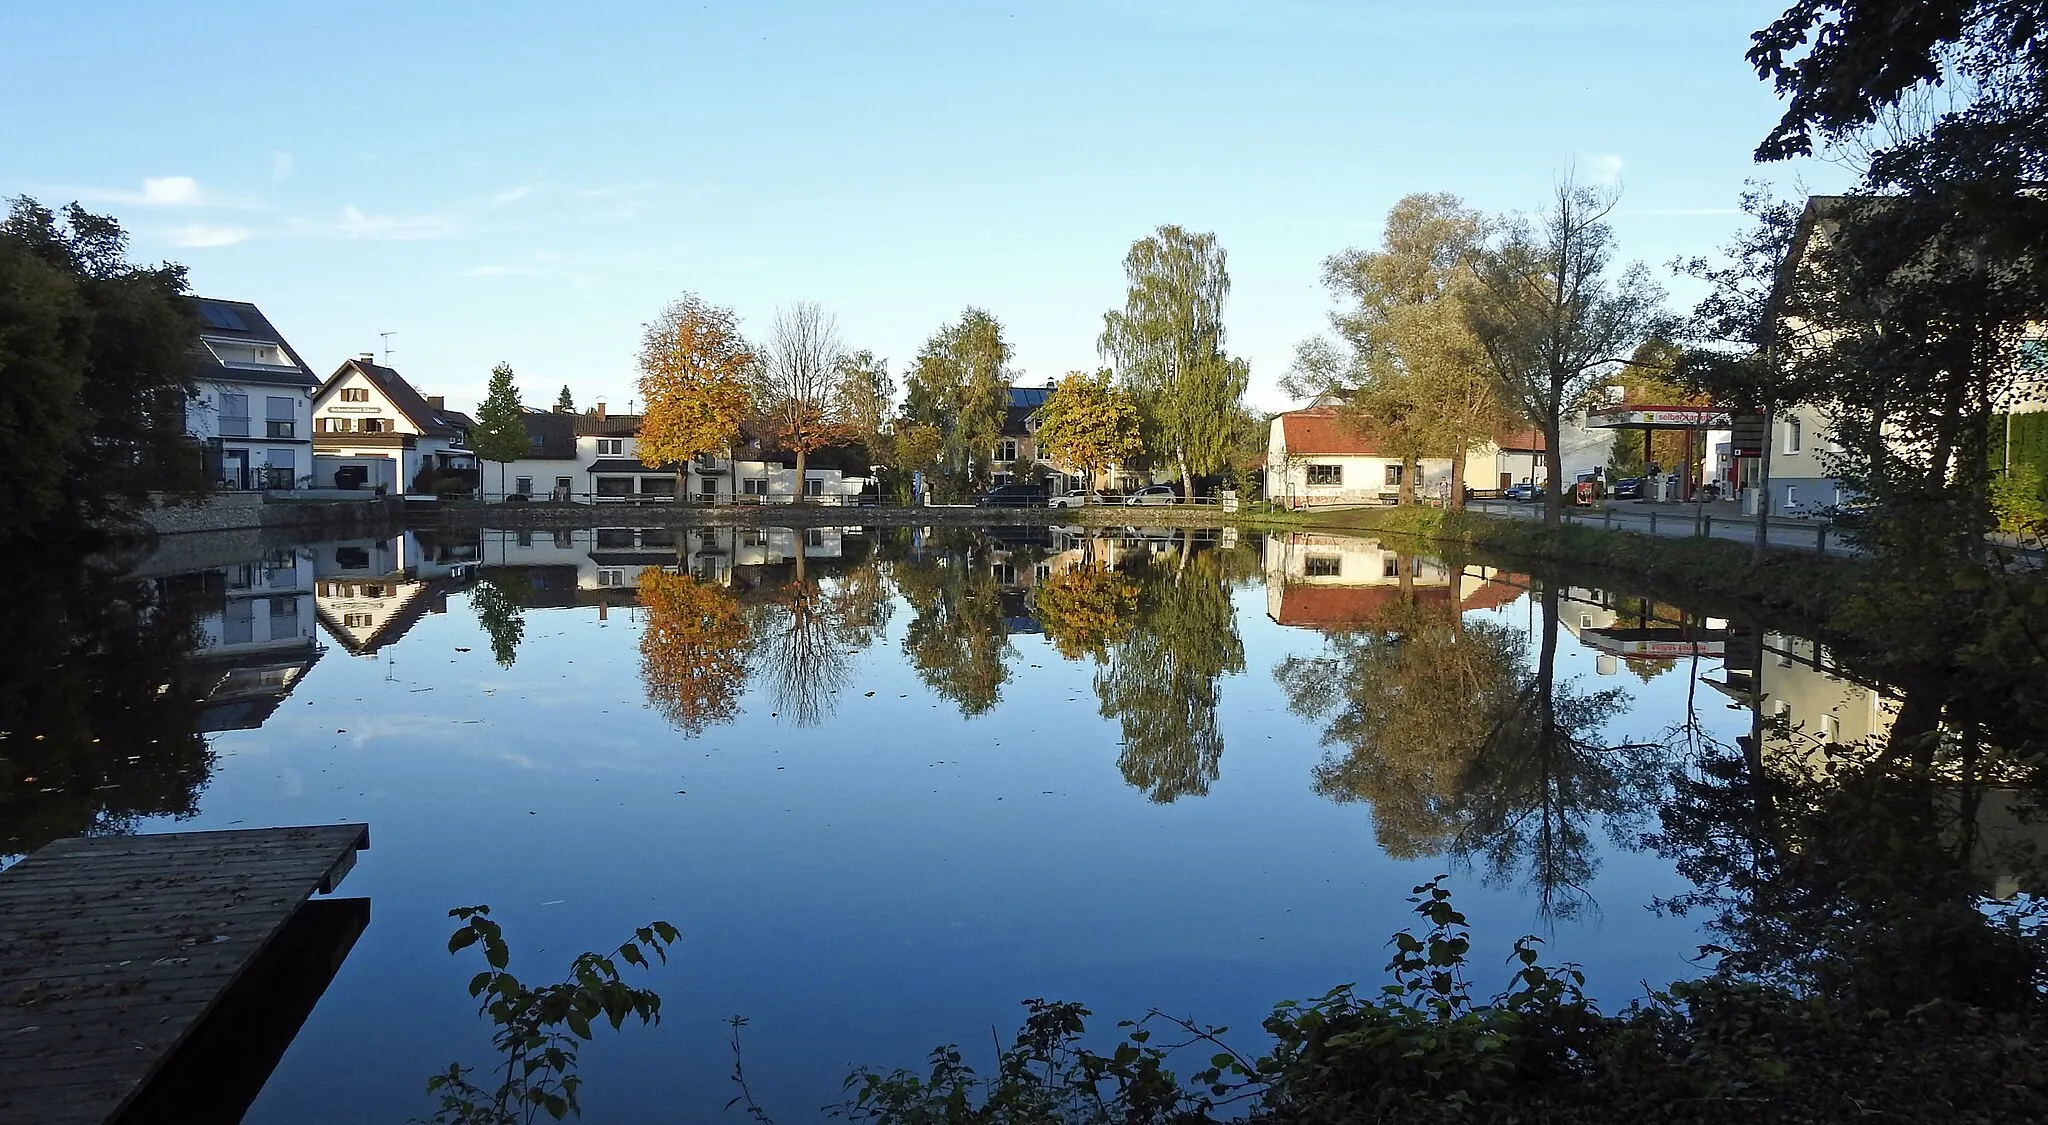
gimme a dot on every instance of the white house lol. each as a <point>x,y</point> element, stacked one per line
<point>366,413</point>
<point>1315,457</point>
<point>595,458</point>
<point>251,412</point>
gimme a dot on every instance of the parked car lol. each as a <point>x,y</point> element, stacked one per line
<point>1012,496</point>
<point>1628,488</point>
<point>1524,493</point>
<point>1076,500</point>
<point>1152,495</point>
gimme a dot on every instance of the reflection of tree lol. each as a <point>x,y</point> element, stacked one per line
<point>1858,870</point>
<point>1160,682</point>
<point>958,639</point>
<point>1411,699</point>
<point>800,650</point>
<point>861,605</point>
<point>1462,748</point>
<point>497,601</point>
<point>99,719</point>
<point>1085,611</point>
<point>693,650</point>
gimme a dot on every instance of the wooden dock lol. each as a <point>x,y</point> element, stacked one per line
<point>115,950</point>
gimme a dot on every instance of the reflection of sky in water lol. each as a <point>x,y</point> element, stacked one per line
<point>897,878</point>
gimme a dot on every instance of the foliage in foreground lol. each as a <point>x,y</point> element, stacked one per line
<point>1423,1050</point>
<point>538,1056</point>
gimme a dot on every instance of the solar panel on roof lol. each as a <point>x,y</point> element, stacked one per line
<point>221,316</point>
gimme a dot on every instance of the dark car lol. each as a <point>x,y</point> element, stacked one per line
<point>1012,496</point>
<point>1628,488</point>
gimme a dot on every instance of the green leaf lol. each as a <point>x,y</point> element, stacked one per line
<point>462,939</point>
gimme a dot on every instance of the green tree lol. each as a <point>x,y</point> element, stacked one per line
<point>867,399</point>
<point>1552,322</point>
<point>1167,346</point>
<point>500,433</point>
<point>565,402</point>
<point>959,383</point>
<point>96,369</point>
<point>696,375</point>
<point>1412,374</point>
<point>1089,424</point>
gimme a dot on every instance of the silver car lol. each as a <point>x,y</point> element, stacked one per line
<point>1074,500</point>
<point>1152,495</point>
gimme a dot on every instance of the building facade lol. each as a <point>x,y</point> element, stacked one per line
<point>367,413</point>
<point>252,414</point>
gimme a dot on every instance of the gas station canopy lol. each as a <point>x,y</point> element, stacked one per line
<point>1635,417</point>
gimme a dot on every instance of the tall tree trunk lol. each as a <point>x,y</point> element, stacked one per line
<point>1456,502</point>
<point>1553,468</point>
<point>1763,490</point>
<point>801,457</point>
<point>1409,465</point>
<point>1187,479</point>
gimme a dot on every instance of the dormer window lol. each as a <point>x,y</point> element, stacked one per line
<point>611,447</point>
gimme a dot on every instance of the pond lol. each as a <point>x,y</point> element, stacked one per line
<point>890,782</point>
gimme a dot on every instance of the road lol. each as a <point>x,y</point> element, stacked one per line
<point>1724,520</point>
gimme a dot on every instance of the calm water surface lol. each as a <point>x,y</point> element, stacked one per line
<point>890,783</point>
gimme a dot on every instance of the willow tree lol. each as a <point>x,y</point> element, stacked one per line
<point>1552,320</point>
<point>1406,364</point>
<point>1167,346</point>
<point>1087,423</point>
<point>797,381</point>
<point>695,372</point>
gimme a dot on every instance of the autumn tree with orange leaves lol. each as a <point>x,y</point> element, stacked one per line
<point>693,652</point>
<point>696,374</point>
<point>1085,610</point>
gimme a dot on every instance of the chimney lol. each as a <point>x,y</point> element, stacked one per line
<point>600,410</point>
<point>437,402</point>
<point>368,357</point>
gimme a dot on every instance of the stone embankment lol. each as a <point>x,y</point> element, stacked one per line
<point>807,515</point>
<point>247,511</point>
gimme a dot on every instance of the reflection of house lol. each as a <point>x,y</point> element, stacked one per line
<point>250,411</point>
<point>613,558</point>
<point>370,425</point>
<point>1329,581</point>
<point>256,638</point>
<point>370,592</point>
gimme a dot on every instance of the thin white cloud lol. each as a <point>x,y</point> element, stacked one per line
<point>157,191</point>
<point>200,236</point>
<point>1604,168</point>
<point>355,224</point>
<point>281,166</point>
<point>512,194</point>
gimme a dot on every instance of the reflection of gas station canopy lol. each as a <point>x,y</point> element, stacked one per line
<point>1633,417</point>
<point>1655,642</point>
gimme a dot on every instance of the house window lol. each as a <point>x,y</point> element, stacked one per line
<point>234,414</point>
<point>615,486</point>
<point>1325,476</point>
<point>753,537</point>
<point>611,447</point>
<point>611,576</point>
<point>1393,475</point>
<point>563,485</point>
<point>1830,729</point>
<point>1042,571</point>
<point>756,486</point>
<point>1005,573</point>
<point>999,479</point>
<point>614,539</point>
<point>279,417</point>
<point>814,537</point>
<point>1006,449</point>
<point>1781,710</point>
<point>355,394</point>
<point>564,540</point>
<point>1793,435</point>
<point>1390,566</point>
<point>658,486</point>
<point>355,620</point>
<point>1323,566</point>
<point>526,538</point>
<point>373,425</point>
<point>1791,499</point>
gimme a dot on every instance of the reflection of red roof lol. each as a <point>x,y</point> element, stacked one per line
<point>1497,591</point>
<point>1320,429</point>
<point>1526,439</point>
<point>1338,607</point>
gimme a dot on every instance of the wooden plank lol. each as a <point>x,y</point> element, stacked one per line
<point>114,950</point>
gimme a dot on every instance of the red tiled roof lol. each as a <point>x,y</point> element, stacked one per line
<point>1321,429</point>
<point>1339,607</point>
<point>1519,439</point>
<point>1498,591</point>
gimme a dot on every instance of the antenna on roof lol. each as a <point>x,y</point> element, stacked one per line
<point>387,346</point>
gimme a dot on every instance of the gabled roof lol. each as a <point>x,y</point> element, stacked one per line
<point>409,402</point>
<point>1322,430</point>
<point>1522,439</point>
<point>553,435</point>
<point>240,320</point>
<point>611,425</point>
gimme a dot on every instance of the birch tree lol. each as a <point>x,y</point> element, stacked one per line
<point>1167,347</point>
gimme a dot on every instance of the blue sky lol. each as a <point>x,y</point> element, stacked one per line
<point>530,183</point>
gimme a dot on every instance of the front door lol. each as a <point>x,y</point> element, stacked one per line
<point>234,468</point>
<point>1506,479</point>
